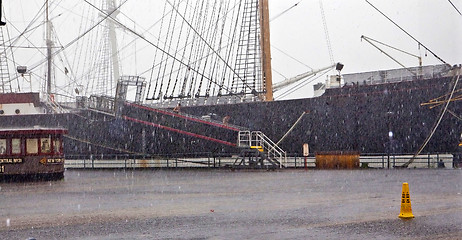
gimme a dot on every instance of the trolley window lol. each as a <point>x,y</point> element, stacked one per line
<point>3,147</point>
<point>57,145</point>
<point>45,145</point>
<point>16,146</point>
<point>32,145</point>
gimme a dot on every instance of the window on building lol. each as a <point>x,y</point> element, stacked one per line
<point>16,146</point>
<point>32,145</point>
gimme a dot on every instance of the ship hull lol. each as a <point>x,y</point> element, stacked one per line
<point>380,118</point>
<point>355,118</point>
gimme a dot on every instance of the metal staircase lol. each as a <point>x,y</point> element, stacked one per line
<point>257,141</point>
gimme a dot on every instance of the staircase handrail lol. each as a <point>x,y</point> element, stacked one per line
<point>259,139</point>
<point>273,148</point>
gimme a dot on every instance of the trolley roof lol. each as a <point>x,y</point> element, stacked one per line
<point>36,130</point>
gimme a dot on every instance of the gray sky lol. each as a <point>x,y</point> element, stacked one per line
<point>434,22</point>
<point>300,32</point>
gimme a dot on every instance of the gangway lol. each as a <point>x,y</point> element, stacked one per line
<point>258,148</point>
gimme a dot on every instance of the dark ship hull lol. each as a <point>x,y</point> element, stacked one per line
<point>355,118</point>
<point>352,118</point>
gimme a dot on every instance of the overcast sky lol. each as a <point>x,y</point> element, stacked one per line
<point>433,22</point>
<point>300,32</point>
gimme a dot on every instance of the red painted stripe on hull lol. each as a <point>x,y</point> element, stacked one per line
<point>180,131</point>
<point>181,116</point>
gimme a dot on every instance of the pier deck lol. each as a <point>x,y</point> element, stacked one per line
<point>185,204</point>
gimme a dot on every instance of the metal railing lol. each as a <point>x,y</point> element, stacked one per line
<point>128,161</point>
<point>101,103</point>
<point>256,139</point>
<point>382,160</point>
<point>225,160</point>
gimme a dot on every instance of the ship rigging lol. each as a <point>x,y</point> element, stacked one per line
<point>213,58</point>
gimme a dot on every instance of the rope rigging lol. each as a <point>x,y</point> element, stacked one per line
<point>231,49</point>
<point>210,48</point>
<point>454,6</point>
<point>326,32</point>
<point>456,78</point>
<point>194,52</point>
<point>188,69</point>
<point>75,40</point>
<point>158,40</point>
<point>156,46</point>
<point>169,35</point>
<point>214,58</point>
<point>13,59</point>
<point>196,62</point>
<point>26,35</point>
<point>177,50</point>
<point>291,57</point>
<point>301,84</point>
<point>154,65</point>
<point>284,12</point>
<point>204,48</point>
<point>189,66</point>
<point>407,33</point>
<point>214,66</point>
<point>206,52</point>
<point>455,115</point>
<point>248,60</point>
<point>370,40</point>
<point>9,45</point>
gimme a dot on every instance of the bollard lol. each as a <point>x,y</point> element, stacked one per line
<point>406,209</point>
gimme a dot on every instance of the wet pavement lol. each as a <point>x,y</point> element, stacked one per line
<point>219,204</point>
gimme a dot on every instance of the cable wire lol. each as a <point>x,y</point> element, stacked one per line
<point>383,14</point>
<point>443,111</point>
<point>454,6</point>
<point>283,12</point>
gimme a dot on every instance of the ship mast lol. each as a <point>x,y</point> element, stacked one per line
<point>49,44</point>
<point>265,50</point>
<point>113,12</point>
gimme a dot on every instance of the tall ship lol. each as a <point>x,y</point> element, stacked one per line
<point>209,82</point>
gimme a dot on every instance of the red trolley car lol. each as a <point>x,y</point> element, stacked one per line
<point>31,153</point>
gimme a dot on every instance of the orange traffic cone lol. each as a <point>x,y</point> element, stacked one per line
<point>406,209</point>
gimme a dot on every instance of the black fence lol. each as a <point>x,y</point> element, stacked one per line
<point>228,160</point>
